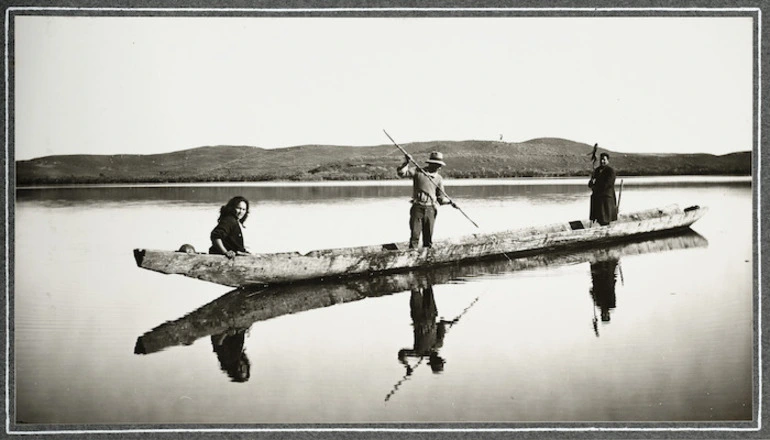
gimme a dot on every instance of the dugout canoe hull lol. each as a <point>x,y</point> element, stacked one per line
<point>240,308</point>
<point>289,267</point>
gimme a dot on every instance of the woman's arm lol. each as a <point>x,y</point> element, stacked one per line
<point>223,230</point>
<point>221,246</point>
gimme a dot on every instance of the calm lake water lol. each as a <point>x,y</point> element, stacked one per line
<point>660,330</point>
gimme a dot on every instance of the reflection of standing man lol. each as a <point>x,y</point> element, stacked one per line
<point>232,359</point>
<point>603,290</point>
<point>428,333</point>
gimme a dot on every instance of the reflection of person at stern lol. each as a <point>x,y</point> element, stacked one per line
<point>603,281</point>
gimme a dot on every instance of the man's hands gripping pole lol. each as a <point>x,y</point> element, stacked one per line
<point>409,158</point>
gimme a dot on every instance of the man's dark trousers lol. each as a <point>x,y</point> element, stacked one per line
<point>421,220</point>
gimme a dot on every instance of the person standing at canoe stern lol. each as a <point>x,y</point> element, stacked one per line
<point>604,205</point>
<point>427,194</point>
<point>227,236</point>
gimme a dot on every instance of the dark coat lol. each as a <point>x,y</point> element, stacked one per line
<point>230,233</point>
<point>604,205</point>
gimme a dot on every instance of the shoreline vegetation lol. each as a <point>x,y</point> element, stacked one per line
<point>543,157</point>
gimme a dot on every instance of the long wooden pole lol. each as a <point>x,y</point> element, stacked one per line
<point>411,159</point>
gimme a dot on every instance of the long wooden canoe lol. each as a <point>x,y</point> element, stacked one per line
<point>288,267</point>
<point>240,308</point>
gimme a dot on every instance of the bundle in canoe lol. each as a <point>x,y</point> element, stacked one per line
<point>288,267</point>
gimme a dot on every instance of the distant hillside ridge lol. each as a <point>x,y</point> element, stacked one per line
<point>542,157</point>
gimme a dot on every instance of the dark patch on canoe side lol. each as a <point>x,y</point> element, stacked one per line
<point>691,208</point>
<point>577,224</point>
<point>139,256</point>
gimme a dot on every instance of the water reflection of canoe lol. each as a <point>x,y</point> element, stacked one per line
<point>288,267</point>
<point>241,308</point>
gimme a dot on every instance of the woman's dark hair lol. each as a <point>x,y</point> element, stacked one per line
<point>232,359</point>
<point>229,209</point>
<point>604,155</point>
<point>239,370</point>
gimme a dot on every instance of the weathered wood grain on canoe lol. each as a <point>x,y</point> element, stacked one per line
<point>240,308</point>
<point>286,267</point>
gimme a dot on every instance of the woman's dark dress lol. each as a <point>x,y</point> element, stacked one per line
<point>229,231</point>
<point>604,205</point>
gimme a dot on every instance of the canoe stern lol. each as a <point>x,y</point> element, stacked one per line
<point>139,256</point>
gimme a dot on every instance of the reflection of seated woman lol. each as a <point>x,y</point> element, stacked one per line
<point>428,333</point>
<point>232,359</point>
<point>603,290</point>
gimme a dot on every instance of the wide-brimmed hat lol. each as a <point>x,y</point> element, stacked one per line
<point>437,158</point>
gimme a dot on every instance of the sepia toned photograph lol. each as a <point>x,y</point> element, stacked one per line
<point>420,219</point>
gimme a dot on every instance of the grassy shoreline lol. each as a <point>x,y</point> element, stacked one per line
<point>395,181</point>
<point>547,158</point>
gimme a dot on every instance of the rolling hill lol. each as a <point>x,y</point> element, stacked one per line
<point>543,157</point>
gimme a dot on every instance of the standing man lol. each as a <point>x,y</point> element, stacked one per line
<point>604,206</point>
<point>427,194</point>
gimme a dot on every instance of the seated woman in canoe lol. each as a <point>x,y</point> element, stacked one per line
<point>227,236</point>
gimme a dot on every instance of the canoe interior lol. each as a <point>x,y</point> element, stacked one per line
<point>290,267</point>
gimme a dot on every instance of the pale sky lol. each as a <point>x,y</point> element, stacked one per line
<point>145,85</point>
